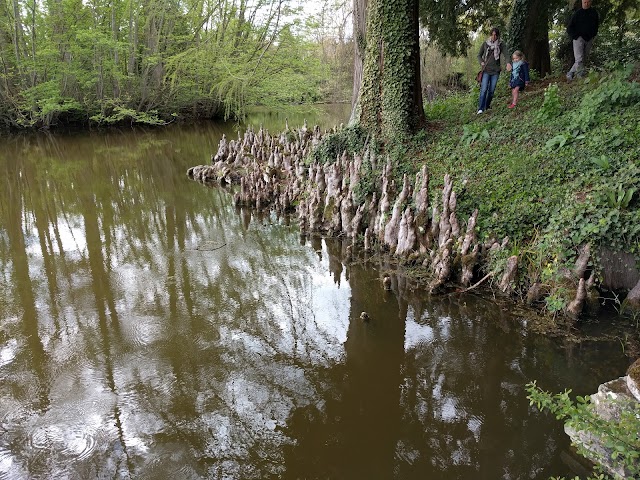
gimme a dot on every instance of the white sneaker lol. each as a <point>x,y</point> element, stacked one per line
<point>479,112</point>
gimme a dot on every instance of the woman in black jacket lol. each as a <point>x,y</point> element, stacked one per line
<point>583,27</point>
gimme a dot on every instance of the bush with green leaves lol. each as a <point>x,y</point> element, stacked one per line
<point>613,42</point>
<point>614,91</point>
<point>45,104</point>
<point>621,436</point>
<point>551,106</point>
<point>607,212</point>
<point>114,113</point>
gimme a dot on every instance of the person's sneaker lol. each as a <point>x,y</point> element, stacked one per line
<point>512,105</point>
<point>479,112</point>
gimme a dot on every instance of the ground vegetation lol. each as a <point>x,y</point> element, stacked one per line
<point>559,172</point>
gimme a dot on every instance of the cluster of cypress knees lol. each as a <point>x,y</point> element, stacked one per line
<point>398,220</point>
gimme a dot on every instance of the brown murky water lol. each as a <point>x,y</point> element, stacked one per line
<point>150,330</point>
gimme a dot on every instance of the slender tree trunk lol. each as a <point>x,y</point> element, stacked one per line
<point>18,33</point>
<point>133,42</point>
<point>60,36</point>
<point>33,76</point>
<point>6,62</point>
<point>115,34</point>
<point>359,35</point>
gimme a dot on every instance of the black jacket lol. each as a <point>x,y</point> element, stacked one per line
<point>584,23</point>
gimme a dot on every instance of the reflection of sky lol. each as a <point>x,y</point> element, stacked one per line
<point>71,235</point>
<point>416,333</point>
<point>330,304</point>
<point>8,350</point>
<point>112,367</point>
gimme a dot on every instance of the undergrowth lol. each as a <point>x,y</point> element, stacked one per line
<point>618,434</point>
<point>559,171</point>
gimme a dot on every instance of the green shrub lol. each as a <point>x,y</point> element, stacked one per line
<point>551,106</point>
<point>614,91</point>
<point>619,435</point>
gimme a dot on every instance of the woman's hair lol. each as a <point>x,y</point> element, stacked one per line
<point>495,29</point>
<point>519,54</point>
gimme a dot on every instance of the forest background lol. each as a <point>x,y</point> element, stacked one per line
<point>82,63</point>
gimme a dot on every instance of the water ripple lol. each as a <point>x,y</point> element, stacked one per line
<point>143,330</point>
<point>9,468</point>
<point>72,441</point>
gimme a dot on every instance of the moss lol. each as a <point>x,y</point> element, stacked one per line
<point>370,94</point>
<point>351,139</point>
<point>328,209</point>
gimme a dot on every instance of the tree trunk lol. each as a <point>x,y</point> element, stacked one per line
<point>34,42</point>
<point>529,32</point>
<point>390,95</point>
<point>18,33</point>
<point>115,34</point>
<point>6,58</point>
<point>133,42</point>
<point>359,35</point>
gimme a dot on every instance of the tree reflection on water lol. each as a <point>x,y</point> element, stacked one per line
<point>151,330</point>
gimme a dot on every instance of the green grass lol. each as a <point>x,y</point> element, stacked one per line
<point>565,170</point>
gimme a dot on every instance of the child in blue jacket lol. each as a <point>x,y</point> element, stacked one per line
<point>519,76</point>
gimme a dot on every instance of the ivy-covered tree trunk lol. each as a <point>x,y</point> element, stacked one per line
<point>529,32</point>
<point>391,95</point>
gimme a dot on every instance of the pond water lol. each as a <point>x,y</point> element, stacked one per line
<point>150,330</point>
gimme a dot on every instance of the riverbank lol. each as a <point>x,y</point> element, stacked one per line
<point>541,201</point>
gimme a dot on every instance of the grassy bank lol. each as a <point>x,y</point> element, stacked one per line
<point>559,171</point>
<point>559,175</point>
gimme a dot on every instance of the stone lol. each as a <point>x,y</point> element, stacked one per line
<point>611,399</point>
<point>633,379</point>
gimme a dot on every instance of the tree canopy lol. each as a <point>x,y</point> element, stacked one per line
<point>526,23</point>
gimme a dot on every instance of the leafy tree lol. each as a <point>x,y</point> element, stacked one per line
<point>450,22</point>
<point>64,61</point>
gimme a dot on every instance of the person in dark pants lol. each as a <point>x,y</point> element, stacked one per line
<point>583,27</point>
<point>489,57</point>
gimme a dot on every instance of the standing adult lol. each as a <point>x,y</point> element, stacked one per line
<point>583,27</point>
<point>489,57</point>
